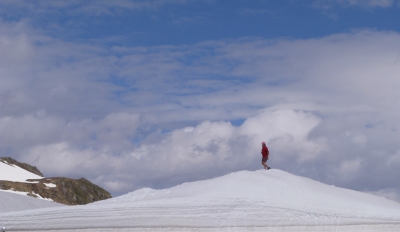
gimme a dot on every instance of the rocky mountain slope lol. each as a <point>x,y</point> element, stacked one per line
<point>59,189</point>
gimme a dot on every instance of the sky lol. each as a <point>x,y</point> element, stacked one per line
<point>134,94</point>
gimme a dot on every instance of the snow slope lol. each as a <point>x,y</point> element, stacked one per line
<point>14,173</point>
<point>263,200</point>
<point>10,202</point>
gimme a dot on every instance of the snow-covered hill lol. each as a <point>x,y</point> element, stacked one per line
<point>271,200</point>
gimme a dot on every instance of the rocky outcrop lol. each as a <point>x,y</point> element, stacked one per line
<point>59,189</point>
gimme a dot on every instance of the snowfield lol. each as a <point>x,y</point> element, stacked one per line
<point>9,202</point>
<point>14,173</point>
<point>261,200</point>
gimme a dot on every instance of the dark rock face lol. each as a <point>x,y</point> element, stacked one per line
<point>59,189</point>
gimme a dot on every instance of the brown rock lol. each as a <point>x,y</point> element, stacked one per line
<point>66,191</point>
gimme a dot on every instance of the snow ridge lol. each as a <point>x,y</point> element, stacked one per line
<point>237,201</point>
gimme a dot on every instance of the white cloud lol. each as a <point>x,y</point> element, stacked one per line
<point>367,4</point>
<point>67,158</point>
<point>286,131</point>
<point>158,116</point>
<point>183,154</point>
<point>112,133</point>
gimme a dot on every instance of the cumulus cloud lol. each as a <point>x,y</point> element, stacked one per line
<point>113,132</point>
<point>183,154</point>
<point>157,116</point>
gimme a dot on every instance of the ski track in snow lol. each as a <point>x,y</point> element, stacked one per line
<point>243,201</point>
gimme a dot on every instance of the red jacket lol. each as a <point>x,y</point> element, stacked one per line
<point>265,152</point>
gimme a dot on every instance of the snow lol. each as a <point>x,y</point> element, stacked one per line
<point>10,202</point>
<point>14,173</point>
<point>271,200</point>
<point>50,185</point>
<point>9,172</point>
<point>37,196</point>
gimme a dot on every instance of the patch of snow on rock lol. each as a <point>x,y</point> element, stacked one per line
<point>14,173</point>
<point>50,185</point>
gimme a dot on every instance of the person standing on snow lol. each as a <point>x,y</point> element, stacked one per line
<point>265,154</point>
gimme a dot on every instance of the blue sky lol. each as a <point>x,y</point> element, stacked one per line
<point>133,94</point>
<point>154,23</point>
